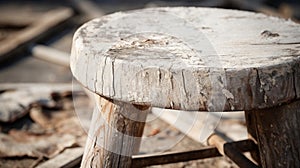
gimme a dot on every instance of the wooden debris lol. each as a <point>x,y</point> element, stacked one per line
<point>16,104</point>
<point>67,159</point>
<point>60,137</point>
<point>17,162</point>
<point>33,32</point>
<point>20,143</point>
<point>60,122</point>
<point>20,19</point>
<point>48,118</point>
<point>10,20</point>
<point>16,99</point>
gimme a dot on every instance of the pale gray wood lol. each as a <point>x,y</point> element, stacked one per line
<point>115,134</point>
<point>190,58</point>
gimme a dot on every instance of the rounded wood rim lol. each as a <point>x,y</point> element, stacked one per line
<point>240,60</point>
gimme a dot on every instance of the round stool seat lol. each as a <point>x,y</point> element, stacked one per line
<point>190,58</point>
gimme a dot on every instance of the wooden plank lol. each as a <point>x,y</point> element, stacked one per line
<point>51,55</point>
<point>67,159</point>
<point>10,20</point>
<point>39,28</point>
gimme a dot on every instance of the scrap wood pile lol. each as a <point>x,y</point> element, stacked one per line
<point>38,123</point>
<point>45,126</point>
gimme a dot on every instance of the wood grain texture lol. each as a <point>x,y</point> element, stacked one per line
<point>277,131</point>
<point>190,58</point>
<point>114,135</point>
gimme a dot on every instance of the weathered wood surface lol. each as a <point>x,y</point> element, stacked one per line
<point>277,131</point>
<point>115,134</point>
<point>190,58</point>
<point>67,159</point>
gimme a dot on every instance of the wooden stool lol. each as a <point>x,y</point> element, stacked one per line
<point>189,59</point>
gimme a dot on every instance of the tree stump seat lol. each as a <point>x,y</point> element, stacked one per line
<point>189,58</point>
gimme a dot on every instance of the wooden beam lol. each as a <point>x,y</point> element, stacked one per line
<point>51,55</point>
<point>174,157</point>
<point>43,26</point>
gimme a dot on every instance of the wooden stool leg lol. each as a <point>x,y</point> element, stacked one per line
<point>114,134</point>
<point>277,132</point>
